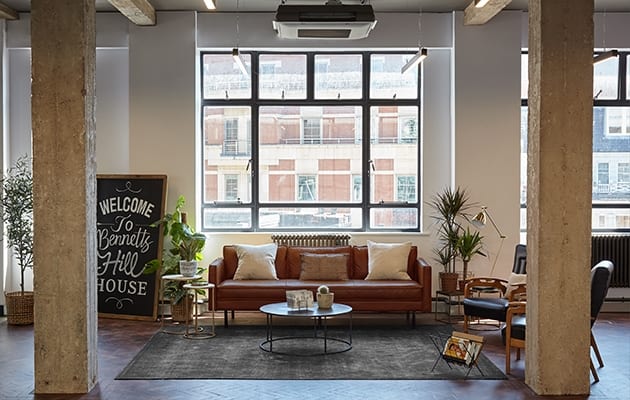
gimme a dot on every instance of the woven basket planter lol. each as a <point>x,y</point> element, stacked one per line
<point>19,308</point>
<point>178,311</point>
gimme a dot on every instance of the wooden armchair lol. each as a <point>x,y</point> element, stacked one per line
<point>514,331</point>
<point>494,307</point>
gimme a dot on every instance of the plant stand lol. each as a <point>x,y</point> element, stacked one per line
<point>178,278</point>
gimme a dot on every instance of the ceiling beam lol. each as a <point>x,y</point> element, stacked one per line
<point>7,12</point>
<point>479,16</point>
<point>140,12</point>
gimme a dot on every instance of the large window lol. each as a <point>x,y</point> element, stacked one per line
<point>299,140</point>
<point>611,144</point>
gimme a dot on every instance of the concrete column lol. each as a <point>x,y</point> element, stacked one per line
<point>63,59</point>
<point>559,156</point>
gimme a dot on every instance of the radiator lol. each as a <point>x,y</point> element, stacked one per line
<point>312,239</point>
<point>615,248</point>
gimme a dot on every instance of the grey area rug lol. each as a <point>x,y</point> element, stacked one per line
<point>390,353</point>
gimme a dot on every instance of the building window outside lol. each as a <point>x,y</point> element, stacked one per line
<point>309,146</point>
<point>307,188</point>
<point>231,187</point>
<point>611,147</point>
<point>406,188</point>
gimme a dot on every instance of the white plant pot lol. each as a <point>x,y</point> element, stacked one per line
<point>325,300</point>
<point>188,268</point>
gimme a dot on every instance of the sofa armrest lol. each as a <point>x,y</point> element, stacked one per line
<point>424,279</point>
<point>215,271</point>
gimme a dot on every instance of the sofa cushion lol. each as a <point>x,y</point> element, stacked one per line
<point>256,262</point>
<point>388,261</point>
<point>294,258</point>
<point>332,267</point>
<point>513,281</point>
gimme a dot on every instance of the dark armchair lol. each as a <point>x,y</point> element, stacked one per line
<point>494,307</point>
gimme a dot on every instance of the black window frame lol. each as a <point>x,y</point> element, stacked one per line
<point>365,102</point>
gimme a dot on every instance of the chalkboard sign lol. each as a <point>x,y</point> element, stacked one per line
<point>126,207</point>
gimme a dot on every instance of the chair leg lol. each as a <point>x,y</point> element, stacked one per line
<point>465,323</point>
<point>596,350</point>
<point>594,371</point>
<point>518,353</point>
<point>507,356</point>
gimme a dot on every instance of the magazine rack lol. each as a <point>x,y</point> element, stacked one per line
<point>459,349</point>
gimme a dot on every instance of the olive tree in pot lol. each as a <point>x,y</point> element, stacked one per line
<point>17,215</point>
<point>451,213</point>
<point>184,250</point>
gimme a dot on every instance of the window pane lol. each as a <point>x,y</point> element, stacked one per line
<point>310,154</point>
<point>227,151</point>
<point>524,76</point>
<point>227,218</point>
<point>223,79</point>
<point>610,218</point>
<point>523,155</point>
<point>337,218</point>
<point>393,218</point>
<point>386,81</point>
<point>338,76</point>
<point>394,153</point>
<point>611,154</point>
<point>605,79</point>
<point>282,76</point>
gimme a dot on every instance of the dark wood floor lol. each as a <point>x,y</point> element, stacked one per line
<point>120,340</point>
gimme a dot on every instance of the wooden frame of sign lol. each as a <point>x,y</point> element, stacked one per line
<point>127,205</point>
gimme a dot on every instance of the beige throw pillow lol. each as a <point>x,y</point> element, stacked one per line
<point>513,280</point>
<point>388,261</point>
<point>324,267</point>
<point>256,262</point>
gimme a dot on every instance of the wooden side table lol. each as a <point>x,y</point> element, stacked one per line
<point>177,278</point>
<point>199,333</point>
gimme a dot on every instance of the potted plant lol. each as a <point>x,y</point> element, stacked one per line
<point>17,215</point>
<point>324,297</point>
<point>468,244</point>
<point>451,212</point>
<point>184,251</point>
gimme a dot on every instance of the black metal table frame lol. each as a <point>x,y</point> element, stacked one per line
<point>318,322</point>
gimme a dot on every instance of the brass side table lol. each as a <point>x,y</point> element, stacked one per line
<point>177,278</point>
<point>199,332</point>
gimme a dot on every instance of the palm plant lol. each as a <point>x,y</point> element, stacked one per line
<point>451,207</point>
<point>469,244</point>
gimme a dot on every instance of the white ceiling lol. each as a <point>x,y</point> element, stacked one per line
<point>378,5</point>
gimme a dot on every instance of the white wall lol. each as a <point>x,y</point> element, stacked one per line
<point>487,128</point>
<point>147,109</point>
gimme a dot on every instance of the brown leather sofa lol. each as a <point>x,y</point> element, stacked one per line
<point>362,295</point>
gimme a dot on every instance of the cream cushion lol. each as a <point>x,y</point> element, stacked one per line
<point>256,262</point>
<point>388,261</point>
<point>324,267</point>
<point>513,281</point>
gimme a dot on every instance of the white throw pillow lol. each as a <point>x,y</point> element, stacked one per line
<point>388,260</point>
<point>513,281</point>
<point>256,262</point>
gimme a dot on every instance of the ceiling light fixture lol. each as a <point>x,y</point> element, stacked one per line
<point>605,56</point>
<point>236,54</point>
<point>481,3</point>
<point>210,4</point>
<point>422,52</point>
<point>239,61</point>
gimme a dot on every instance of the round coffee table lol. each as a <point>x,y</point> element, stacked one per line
<point>320,327</point>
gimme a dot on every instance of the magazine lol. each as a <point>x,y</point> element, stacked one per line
<point>462,347</point>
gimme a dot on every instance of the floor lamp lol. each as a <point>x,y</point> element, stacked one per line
<point>480,221</point>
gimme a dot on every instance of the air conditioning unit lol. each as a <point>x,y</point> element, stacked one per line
<point>329,21</point>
